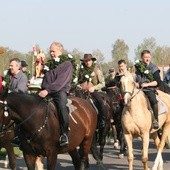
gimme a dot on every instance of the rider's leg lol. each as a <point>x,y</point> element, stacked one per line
<point>60,99</point>
<point>101,116</point>
<point>154,104</point>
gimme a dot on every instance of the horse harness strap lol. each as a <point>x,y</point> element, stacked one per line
<point>44,123</point>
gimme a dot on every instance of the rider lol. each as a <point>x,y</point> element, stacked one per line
<point>15,81</point>
<point>91,79</point>
<point>56,83</point>
<point>149,83</point>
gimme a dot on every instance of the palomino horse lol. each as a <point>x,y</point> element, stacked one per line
<point>137,121</point>
<point>39,129</point>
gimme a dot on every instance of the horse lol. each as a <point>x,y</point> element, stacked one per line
<point>116,104</point>
<point>39,129</point>
<point>5,142</point>
<point>98,155</point>
<point>137,121</point>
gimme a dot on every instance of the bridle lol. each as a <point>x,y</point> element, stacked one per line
<point>5,127</point>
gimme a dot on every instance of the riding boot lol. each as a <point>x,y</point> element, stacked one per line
<point>64,127</point>
<point>155,112</point>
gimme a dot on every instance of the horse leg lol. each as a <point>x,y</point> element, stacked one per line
<point>52,159</point>
<point>11,156</point>
<point>145,139</point>
<point>85,149</point>
<point>158,163</point>
<point>95,152</point>
<point>30,161</point>
<point>75,158</point>
<point>128,138</point>
<point>155,138</point>
<point>38,163</point>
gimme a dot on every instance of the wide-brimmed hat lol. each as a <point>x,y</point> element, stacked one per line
<point>23,64</point>
<point>88,57</point>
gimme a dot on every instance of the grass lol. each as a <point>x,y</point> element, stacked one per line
<point>17,152</point>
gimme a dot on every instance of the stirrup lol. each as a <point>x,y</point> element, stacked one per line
<point>63,140</point>
<point>155,124</point>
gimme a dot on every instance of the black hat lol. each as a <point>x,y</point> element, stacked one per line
<point>23,64</point>
<point>88,57</point>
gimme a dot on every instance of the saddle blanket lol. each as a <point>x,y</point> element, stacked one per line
<point>162,106</point>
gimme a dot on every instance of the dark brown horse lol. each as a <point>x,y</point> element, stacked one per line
<point>116,103</point>
<point>39,129</point>
<point>98,155</point>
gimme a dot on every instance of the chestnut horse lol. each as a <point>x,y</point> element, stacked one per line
<point>137,121</point>
<point>39,130</point>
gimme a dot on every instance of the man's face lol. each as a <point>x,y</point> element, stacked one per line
<point>14,67</point>
<point>88,63</point>
<point>55,51</point>
<point>146,58</point>
<point>122,67</point>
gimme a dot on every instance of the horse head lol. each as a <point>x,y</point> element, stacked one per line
<point>127,87</point>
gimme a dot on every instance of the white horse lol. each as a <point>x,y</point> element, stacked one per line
<point>137,121</point>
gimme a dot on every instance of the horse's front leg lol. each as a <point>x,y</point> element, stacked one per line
<point>129,138</point>
<point>30,161</point>
<point>52,159</point>
<point>11,156</point>
<point>145,139</point>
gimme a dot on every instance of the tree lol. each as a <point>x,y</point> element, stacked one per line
<point>148,44</point>
<point>120,51</point>
<point>99,56</point>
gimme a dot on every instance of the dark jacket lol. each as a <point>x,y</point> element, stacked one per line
<point>59,78</point>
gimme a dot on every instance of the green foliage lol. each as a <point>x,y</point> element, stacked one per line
<point>84,73</point>
<point>120,51</point>
<point>147,44</point>
<point>52,64</point>
<point>141,67</point>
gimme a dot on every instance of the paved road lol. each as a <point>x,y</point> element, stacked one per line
<point>111,160</point>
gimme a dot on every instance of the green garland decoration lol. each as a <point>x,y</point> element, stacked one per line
<point>85,73</point>
<point>52,64</point>
<point>141,66</point>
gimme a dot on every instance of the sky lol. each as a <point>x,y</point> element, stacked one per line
<point>86,25</point>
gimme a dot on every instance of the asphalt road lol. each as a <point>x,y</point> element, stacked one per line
<point>111,160</point>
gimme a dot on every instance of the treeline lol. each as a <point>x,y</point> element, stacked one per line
<point>120,50</point>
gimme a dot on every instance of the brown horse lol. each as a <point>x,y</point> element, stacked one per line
<point>137,121</point>
<point>39,129</point>
<point>98,155</point>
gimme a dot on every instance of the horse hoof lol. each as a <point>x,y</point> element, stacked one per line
<point>116,145</point>
<point>98,163</point>
<point>121,155</point>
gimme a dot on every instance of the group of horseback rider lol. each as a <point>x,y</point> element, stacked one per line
<point>58,73</point>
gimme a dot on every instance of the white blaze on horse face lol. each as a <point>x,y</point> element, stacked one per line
<point>127,91</point>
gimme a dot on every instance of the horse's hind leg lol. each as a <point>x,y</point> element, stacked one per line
<point>75,158</point>
<point>84,150</point>
<point>158,163</point>
<point>11,156</point>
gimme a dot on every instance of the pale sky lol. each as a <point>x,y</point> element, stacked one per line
<point>86,25</point>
